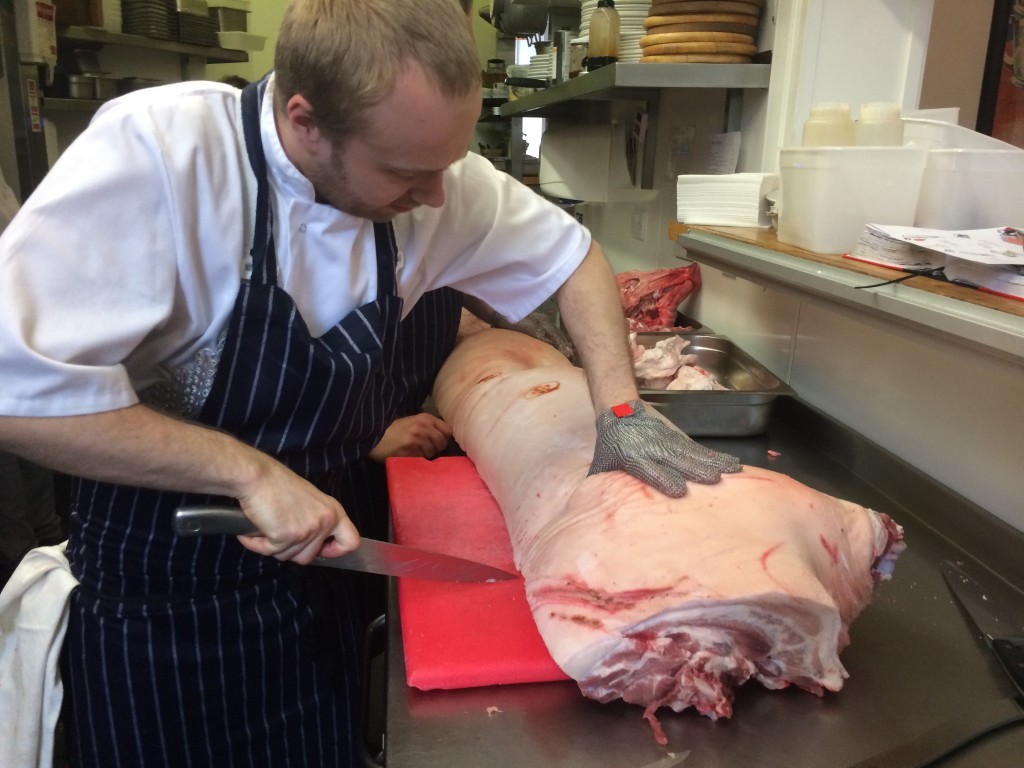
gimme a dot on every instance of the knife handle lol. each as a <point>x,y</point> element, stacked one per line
<point>1011,655</point>
<point>199,520</point>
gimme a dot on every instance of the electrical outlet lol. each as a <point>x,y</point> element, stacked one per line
<point>638,224</point>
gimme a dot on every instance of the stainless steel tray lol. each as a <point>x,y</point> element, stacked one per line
<point>739,411</point>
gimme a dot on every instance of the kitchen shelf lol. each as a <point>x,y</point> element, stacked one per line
<point>59,104</point>
<point>100,36</point>
<point>636,81</point>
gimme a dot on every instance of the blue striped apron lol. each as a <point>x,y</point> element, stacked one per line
<point>195,651</point>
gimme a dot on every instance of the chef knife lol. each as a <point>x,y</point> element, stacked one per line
<point>372,556</point>
<point>1004,636</point>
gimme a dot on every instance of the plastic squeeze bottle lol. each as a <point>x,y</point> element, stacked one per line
<point>879,125</point>
<point>604,35</point>
<point>829,125</point>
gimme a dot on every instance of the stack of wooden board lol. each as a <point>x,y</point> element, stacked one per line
<point>701,31</point>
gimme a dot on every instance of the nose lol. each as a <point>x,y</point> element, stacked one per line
<point>429,189</point>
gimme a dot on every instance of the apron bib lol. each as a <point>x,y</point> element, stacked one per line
<point>195,651</point>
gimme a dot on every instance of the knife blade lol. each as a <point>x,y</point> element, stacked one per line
<point>1004,636</point>
<point>372,556</point>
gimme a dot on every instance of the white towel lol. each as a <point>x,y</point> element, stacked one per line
<point>726,199</point>
<point>33,620</point>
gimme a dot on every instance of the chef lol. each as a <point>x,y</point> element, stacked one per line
<point>203,301</point>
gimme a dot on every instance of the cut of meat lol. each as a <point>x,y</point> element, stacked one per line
<point>650,299</point>
<point>665,366</point>
<point>661,602</point>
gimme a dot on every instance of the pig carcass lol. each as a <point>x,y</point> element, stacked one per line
<point>661,602</point>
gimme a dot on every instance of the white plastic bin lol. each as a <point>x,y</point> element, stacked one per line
<point>971,181</point>
<point>936,134</point>
<point>972,189</point>
<point>830,193</point>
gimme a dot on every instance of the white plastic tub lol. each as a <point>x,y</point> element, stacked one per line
<point>971,181</point>
<point>936,134</point>
<point>830,193</point>
<point>972,189</point>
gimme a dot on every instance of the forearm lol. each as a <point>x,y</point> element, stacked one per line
<point>142,447</point>
<point>592,313</point>
<point>137,446</point>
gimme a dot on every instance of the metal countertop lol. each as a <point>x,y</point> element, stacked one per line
<point>914,662</point>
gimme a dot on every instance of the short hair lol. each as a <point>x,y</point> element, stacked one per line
<point>344,56</point>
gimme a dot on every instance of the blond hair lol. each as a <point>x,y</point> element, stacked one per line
<point>344,56</point>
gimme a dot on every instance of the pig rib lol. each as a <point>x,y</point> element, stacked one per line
<point>658,601</point>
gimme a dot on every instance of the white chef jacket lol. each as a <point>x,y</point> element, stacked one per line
<point>109,286</point>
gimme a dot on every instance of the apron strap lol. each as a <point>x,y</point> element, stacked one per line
<point>262,253</point>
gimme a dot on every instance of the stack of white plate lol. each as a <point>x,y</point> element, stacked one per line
<point>631,25</point>
<point>542,66</point>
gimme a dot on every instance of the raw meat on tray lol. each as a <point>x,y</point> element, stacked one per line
<point>661,602</point>
<point>650,299</point>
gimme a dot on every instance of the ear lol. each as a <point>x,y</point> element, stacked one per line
<point>302,125</point>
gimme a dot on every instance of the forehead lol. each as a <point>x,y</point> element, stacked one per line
<point>417,126</point>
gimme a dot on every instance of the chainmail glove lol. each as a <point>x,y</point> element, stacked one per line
<point>634,440</point>
<point>540,326</point>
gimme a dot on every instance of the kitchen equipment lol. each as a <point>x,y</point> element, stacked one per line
<point>879,125</point>
<point>742,409</point>
<point>830,193</point>
<point>372,556</point>
<point>81,87</point>
<point>829,125</point>
<point>458,636</point>
<point>1002,629</point>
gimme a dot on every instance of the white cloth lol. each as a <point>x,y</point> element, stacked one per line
<point>33,620</point>
<point>109,285</point>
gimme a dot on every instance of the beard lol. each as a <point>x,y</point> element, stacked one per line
<point>334,186</point>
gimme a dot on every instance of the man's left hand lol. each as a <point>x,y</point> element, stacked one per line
<point>637,441</point>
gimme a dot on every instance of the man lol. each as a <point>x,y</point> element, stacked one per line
<point>202,301</point>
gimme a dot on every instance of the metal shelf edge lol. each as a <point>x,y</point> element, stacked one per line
<point>101,36</point>
<point>629,80</point>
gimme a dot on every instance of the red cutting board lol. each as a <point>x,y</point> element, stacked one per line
<point>459,635</point>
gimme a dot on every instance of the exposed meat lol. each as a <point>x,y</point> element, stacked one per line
<point>661,602</point>
<point>667,366</point>
<point>651,299</point>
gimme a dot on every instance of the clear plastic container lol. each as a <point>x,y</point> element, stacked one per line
<point>830,193</point>
<point>829,125</point>
<point>603,48</point>
<point>879,125</point>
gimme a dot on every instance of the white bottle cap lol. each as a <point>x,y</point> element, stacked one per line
<point>830,109</point>
<point>880,110</point>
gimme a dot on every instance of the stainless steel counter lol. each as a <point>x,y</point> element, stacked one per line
<point>913,662</point>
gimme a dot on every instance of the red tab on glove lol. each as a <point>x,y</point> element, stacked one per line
<point>622,410</point>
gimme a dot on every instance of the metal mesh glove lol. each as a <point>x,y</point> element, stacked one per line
<point>631,438</point>
<point>540,326</point>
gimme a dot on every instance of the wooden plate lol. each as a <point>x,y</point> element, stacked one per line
<point>694,37</point>
<point>741,49</point>
<point>689,7</point>
<point>702,18</point>
<point>657,4</point>
<point>695,58</point>
<point>747,30</point>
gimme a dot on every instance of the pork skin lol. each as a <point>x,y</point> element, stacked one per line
<point>658,601</point>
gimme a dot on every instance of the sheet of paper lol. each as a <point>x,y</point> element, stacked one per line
<point>725,152</point>
<point>997,245</point>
